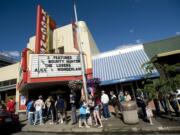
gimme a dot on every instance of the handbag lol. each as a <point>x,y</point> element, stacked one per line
<point>87,110</point>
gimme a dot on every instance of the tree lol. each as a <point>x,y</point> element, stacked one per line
<point>149,85</point>
<point>75,85</point>
<point>169,80</point>
<point>167,83</point>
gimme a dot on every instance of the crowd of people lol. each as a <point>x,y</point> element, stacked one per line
<point>91,111</point>
<point>168,103</point>
<point>39,111</point>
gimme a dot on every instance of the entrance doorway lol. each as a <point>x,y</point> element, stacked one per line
<point>54,91</point>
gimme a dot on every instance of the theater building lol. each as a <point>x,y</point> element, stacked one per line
<point>51,59</point>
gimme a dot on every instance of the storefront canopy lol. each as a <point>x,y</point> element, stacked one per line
<point>121,65</point>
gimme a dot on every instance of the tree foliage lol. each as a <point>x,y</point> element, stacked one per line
<point>167,83</point>
<point>75,85</point>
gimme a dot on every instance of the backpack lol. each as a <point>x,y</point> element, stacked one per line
<point>30,106</point>
<point>113,101</point>
<point>60,104</point>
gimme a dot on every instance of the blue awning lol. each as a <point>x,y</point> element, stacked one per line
<point>121,67</point>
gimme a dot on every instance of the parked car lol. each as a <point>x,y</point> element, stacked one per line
<point>8,120</point>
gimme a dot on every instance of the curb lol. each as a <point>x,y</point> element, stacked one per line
<point>112,130</point>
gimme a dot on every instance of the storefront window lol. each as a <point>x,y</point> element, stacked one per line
<point>61,50</point>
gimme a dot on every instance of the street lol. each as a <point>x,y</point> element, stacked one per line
<point>37,133</point>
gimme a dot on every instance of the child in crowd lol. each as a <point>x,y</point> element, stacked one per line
<point>96,112</point>
<point>82,114</point>
<point>149,114</point>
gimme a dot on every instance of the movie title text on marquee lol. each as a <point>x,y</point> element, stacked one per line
<point>54,65</point>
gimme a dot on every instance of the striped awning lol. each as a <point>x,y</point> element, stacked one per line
<point>121,66</point>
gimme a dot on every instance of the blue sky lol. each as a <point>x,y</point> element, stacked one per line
<point>113,23</point>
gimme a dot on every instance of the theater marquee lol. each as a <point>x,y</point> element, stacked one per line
<point>54,65</point>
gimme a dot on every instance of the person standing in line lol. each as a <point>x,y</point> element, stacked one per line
<point>96,113</point>
<point>114,103</point>
<point>61,109</point>
<point>11,106</point>
<point>141,102</point>
<point>162,98</point>
<point>127,96</point>
<point>91,109</point>
<point>27,101</point>
<point>48,104</point>
<point>30,111</point>
<point>82,114</point>
<point>156,104</point>
<point>39,105</point>
<point>73,107</point>
<point>121,100</point>
<point>52,110</point>
<point>174,104</point>
<point>105,101</point>
<point>149,114</point>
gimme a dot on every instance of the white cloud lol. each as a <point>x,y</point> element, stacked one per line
<point>131,30</point>
<point>10,53</point>
<point>138,41</point>
<point>3,53</point>
<point>178,33</point>
<point>122,46</point>
<point>125,46</point>
<point>14,53</point>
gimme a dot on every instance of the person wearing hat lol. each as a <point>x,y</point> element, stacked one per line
<point>39,105</point>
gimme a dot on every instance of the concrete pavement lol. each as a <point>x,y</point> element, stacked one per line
<point>113,124</point>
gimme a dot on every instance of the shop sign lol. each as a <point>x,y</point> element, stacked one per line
<point>22,100</point>
<point>54,65</point>
<point>44,27</point>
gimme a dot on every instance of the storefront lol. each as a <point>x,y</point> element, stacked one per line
<point>8,80</point>
<point>122,69</point>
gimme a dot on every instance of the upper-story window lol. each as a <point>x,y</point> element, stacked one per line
<point>61,50</point>
<point>9,82</point>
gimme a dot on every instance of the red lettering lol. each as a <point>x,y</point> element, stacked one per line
<point>43,24</point>
<point>43,30</point>
<point>43,37</point>
<point>43,44</point>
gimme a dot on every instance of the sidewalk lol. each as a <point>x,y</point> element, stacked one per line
<point>111,125</point>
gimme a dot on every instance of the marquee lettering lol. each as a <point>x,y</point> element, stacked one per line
<point>43,45</point>
<point>48,65</point>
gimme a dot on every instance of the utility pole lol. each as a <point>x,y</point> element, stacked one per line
<point>81,54</point>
